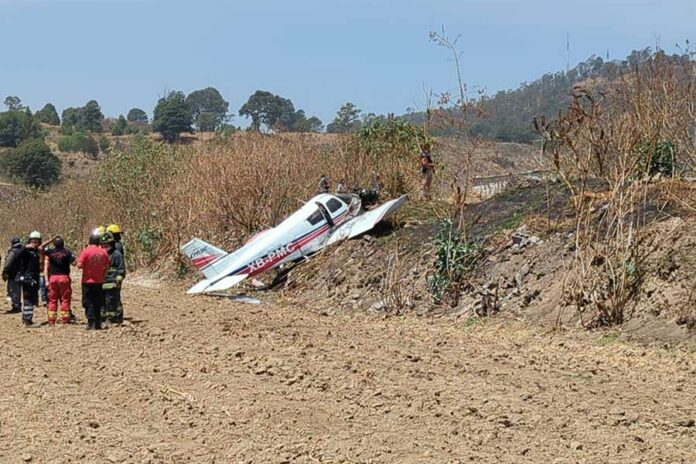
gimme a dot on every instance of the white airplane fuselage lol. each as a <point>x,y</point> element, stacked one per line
<point>323,220</point>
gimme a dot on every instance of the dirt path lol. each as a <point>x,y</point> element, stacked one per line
<point>202,380</point>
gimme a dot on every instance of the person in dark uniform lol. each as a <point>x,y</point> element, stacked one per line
<point>9,274</point>
<point>57,272</point>
<point>427,167</point>
<point>94,262</point>
<point>113,310</point>
<point>28,276</point>
<point>117,232</point>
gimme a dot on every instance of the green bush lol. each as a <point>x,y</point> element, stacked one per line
<point>455,257</point>
<point>392,147</point>
<point>658,158</point>
<point>133,179</point>
<point>32,163</point>
<point>104,144</point>
<point>78,142</point>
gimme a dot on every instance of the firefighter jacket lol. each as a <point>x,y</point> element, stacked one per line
<point>116,271</point>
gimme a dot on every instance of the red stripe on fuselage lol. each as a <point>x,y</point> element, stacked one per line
<point>298,245</point>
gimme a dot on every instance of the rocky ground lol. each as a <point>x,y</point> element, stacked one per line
<point>205,380</point>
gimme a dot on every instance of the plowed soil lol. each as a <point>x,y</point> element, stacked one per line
<point>204,380</point>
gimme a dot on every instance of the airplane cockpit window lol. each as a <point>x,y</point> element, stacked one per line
<point>315,218</point>
<point>333,205</point>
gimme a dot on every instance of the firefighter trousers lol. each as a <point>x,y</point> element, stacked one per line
<point>30,295</point>
<point>14,290</point>
<point>59,293</point>
<point>113,309</point>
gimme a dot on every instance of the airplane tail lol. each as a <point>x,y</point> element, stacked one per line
<point>202,255</point>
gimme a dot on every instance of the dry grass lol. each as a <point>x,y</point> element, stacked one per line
<point>223,190</point>
<point>602,139</point>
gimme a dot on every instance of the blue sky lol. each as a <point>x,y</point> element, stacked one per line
<point>318,53</point>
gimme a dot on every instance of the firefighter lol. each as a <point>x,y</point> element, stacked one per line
<point>113,310</point>
<point>9,274</point>
<point>116,231</point>
<point>57,271</point>
<point>28,276</point>
<point>94,262</point>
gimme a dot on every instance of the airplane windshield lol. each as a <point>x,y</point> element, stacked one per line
<point>333,205</point>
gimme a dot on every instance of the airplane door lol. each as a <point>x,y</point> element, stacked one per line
<point>335,207</point>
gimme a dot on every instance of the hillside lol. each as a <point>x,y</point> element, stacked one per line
<point>507,115</point>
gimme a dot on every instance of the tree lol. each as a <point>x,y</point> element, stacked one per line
<point>18,126</point>
<point>13,103</point>
<point>275,112</point>
<point>314,124</point>
<point>91,117</point>
<point>120,127</point>
<point>347,119</point>
<point>86,118</point>
<point>48,115</point>
<point>32,163</point>
<point>70,119</point>
<point>137,115</point>
<point>301,123</point>
<point>208,107</point>
<point>172,116</point>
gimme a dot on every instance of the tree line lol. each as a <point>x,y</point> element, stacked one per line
<point>25,157</point>
<point>507,116</point>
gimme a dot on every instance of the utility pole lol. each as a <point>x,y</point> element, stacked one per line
<point>567,68</point>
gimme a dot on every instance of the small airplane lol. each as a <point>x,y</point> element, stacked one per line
<point>322,221</point>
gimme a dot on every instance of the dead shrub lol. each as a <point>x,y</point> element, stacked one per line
<point>397,290</point>
<point>600,143</point>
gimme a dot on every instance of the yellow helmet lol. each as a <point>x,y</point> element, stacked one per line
<point>114,229</point>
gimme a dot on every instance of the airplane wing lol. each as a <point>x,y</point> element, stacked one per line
<point>367,221</point>
<point>205,286</point>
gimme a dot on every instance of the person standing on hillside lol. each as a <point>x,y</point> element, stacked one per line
<point>94,262</point>
<point>427,167</point>
<point>324,184</point>
<point>57,271</point>
<point>9,274</point>
<point>113,310</point>
<point>28,276</point>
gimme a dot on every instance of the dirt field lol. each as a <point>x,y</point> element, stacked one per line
<point>205,380</point>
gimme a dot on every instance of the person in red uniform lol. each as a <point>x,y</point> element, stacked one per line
<point>94,261</point>
<point>57,271</point>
